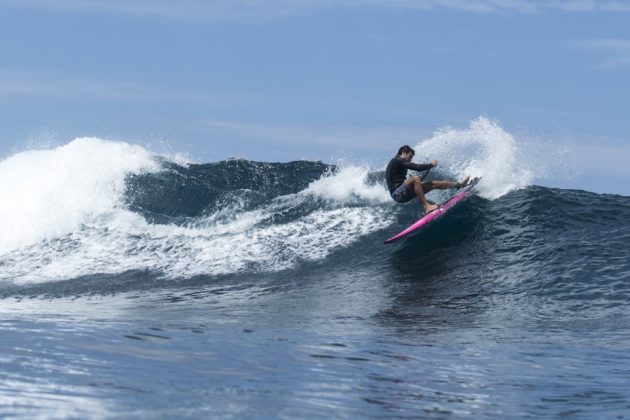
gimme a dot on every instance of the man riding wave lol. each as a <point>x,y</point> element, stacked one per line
<point>403,189</point>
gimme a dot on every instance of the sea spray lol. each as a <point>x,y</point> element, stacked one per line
<point>349,185</point>
<point>484,149</point>
<point>49,193</point>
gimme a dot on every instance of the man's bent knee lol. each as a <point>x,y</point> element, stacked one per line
<point>412,182</point>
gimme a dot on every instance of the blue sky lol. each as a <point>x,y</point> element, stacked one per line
<point>278,80</point>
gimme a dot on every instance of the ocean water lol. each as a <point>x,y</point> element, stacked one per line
<point>134,284</point>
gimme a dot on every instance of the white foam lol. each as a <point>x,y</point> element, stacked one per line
<point>348,185</point>
<point>49,193</point>
<point>484,149</point>
<point>129,243</point>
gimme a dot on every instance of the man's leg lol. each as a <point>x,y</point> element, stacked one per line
<point>414,184</point>
<point>443,185</point>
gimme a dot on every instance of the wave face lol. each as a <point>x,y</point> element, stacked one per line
<point>110,209</point>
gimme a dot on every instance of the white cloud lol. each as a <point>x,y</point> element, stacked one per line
<point>17,84</point>
<point>216,10</point>
<point>606,159</point>
<point>590,5</point>
<point>243,10</point>
<point>615,52</point>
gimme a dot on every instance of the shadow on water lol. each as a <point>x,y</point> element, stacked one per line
<point>440,245</point>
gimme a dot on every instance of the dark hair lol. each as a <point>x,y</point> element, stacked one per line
<point>406,149</point>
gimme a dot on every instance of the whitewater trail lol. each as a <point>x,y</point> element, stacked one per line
<point>66,217</point>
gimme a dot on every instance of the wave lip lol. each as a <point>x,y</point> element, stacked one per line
<point>485,150</point>
<point>49,193</point>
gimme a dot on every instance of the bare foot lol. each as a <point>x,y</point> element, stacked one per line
<point>464,182</point>
<point>429,208</point>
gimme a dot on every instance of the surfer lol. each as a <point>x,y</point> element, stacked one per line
<point>403,189</point>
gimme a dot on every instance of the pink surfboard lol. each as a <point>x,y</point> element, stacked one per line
<point>467,191</point>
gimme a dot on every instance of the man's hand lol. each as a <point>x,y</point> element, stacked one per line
<point>434,163</point>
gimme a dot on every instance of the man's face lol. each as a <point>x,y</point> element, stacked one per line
<point>407,156</point>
